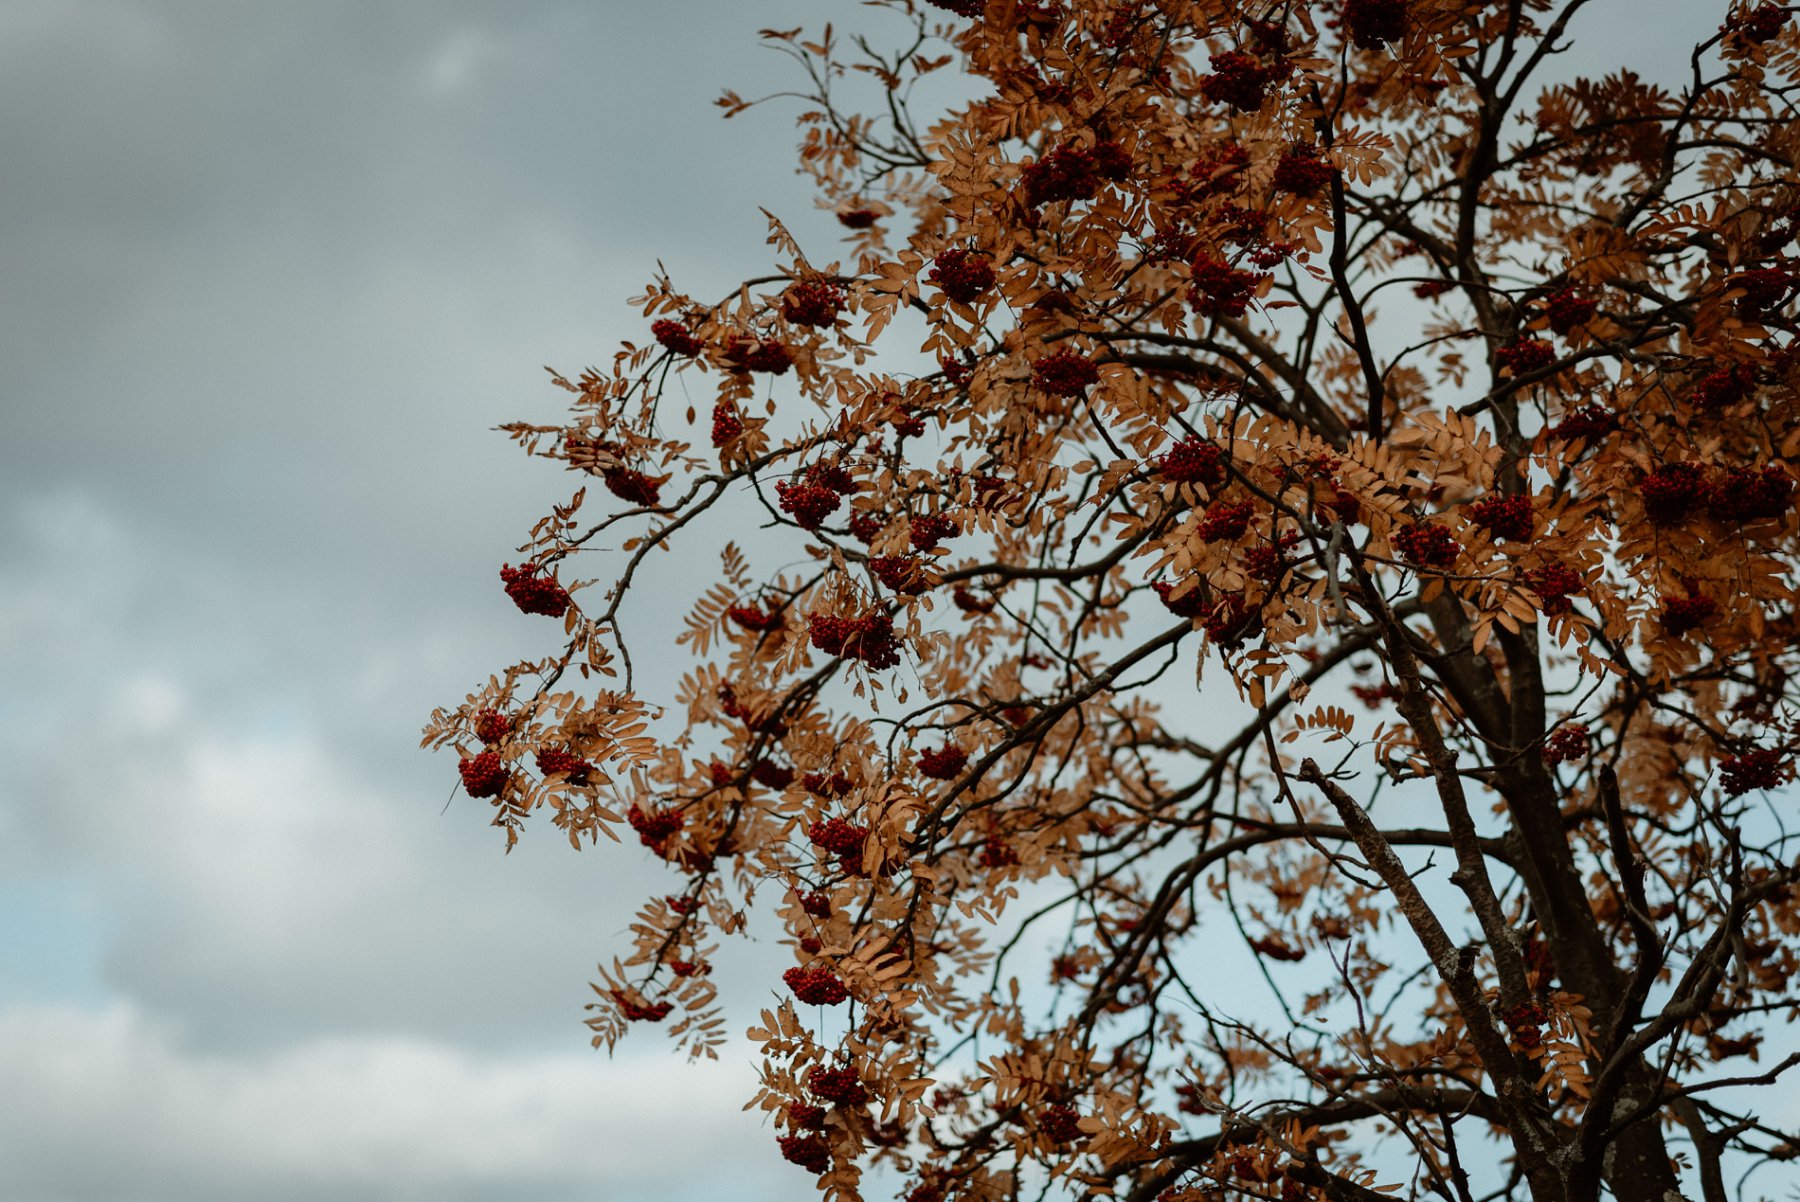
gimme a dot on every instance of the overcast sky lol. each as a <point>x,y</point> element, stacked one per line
<point>269,274</point>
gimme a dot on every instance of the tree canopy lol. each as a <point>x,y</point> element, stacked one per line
<point>1298,486</point>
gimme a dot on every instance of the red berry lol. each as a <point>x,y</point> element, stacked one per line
<point>1427,545</point>
<point>1588,423</point>
<point>812,303</point>
<point>810,1152</point>
<point>483,776</point>
<point>1566,743</point>
<point>1220,290</point>
<point>640,1012</point>
<point>1505,517</point>
<point>1525,356</point>
<point>1226,522</point>
<point>752,617</point>
<point>857,219</point>
<point>1190,604</point>
<point>946,763</point>
<point>1232,621</point>
<point>1073,172</point>
<point>1747,494</point>
<point>962,275</point>
<point>1673,492</point>
<point>839,1086</point>
<point>1066,373</point>
<point>901,573</point>
<point>1371,24</point>
<point>632,486</point>
<point>817,783</point>
<point>969,603</point>
<point>1060,1123</point>
<point>675,336</point>
<point>805,1117</point>
<point>1569,310</point>
<point>554,760</point>
<point>810,504</point>
<point>816,986</point>
<point>1239,80</point>
<point>1683,614</point>
<point>491,726</point>
<point>1764,289</point>
<point>726,424</point>
<point>1193,460</point>
<point>838,837</point>
<point>1760,25</point>
<point>1724,387</point>
<point>928,530</point>
<point>771,775</point>
<point>1760,768</point>
<point>997,853</point>
<point>1302,172</point>
<point>1554,583</point>
<point>656,827</point>
<point>535,594</point>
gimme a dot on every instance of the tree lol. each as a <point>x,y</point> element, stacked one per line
<point>1344,526</point>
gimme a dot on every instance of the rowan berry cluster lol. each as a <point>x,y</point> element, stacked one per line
<point>758,354</point>
<point>1226,521</point>
<point>1372,24</point>
<point>1569,310</point>
<point>817,904</point>
<point>1525,356</point>
<point>1189,605</point>
<point>484,775</point>
<point>804,1116</point>
<point>1747,494</point>
<point>535,594</point>
<point>1760,768</point>
<point>810,1152</point>
<point>928,530</point>
<point>1427,545</point>
<point>655,827</point>
<point>1566,744</point>
<point>812,303</point>
<point>969,603</point>
<point>1193,460</point>
<point>1683,614</point>
<point>962,275</point>
<point>1764,289</point>
<point>771,775</point>
<point>676,337</point>
<point>753,617</point>
<point>640,1012</point>
<point>1526,1022</point>
<point>857,219</point>
<point>1722,388</point>
<point>946,763</point>
<point>726,424</point>
<point>1761,25</point>
<point>869,638</point>
<point>1239,80</point>
<point>492,726</point>
<point>1073,172</point>
<point>1061,1124</point>
<point>1429,289</point>
<point>1673,492</point>
<point>1221,290</point>
<point>1302,172</point>
<point>1588,423</point>
<point>632,486</point>
<point>1217,171</point>
<point>808,503</point>
<point>838,837</point>
<point>1066,373</point>
<point>901,573</point>
<point>821,785</point>
<point>996,853</point>
<point>1374,695</point>
<point>1231,622</point>
<point>838,1086</point>
<point>1554,584</point>
<point>554,760</point>
<point>1505,517</point>
<point>816,986</point>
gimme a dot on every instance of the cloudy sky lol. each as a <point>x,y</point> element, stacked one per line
<point>269,274</point>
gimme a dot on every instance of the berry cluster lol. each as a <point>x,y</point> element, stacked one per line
<point>838,837</point>
<point>726,424</point>
<point>1429,289</point>
<point>817,783</point>
<point>808,503</point>
<point>1505,517</point>
<point>901,573</point>
<point>1747,494</point>
<point>1588,423</point>
<point>1302,172</point>
<point>1193,460</point>
<point>866,524</point>
<point>1066,373</point>
<point>1217,170</point>
<point>1761,25</point>
<point>1226,521</point>
<point>810,1152</point>
<point>1060,1123</point>
<point>1554,583</point>
<point>1526,1021</point>
<point>869,638</point>
<point>1372,24</point>
<point>1526,355</point>
<point>1724,387</point>
<point>928,530</point>
<point>1760,768</point>
<point>996,853</point>
<point>1683,614</point>
<point>1232,621</point>
<point>1427,545</point>
<point>690,968</point>
<point>1374,695</point>
<point>676,337</point>
<point>962,275</point>
<point>1764,289</point>
<point>1569,310</point>
<point>803,1116</point>
<point>483,776</point>
<point>771,775</point>
<point>632,486</point>
<point>812,303</point>
<point>492,726</point>
<point>554,760</point>
<point>1239,80</point>
<point>657,826</point>
<point>756,354</point>
<point>1673,492</point>
<point>816,904</point>
<point>535,594</point>
<point>962,8</point>
<point>1566,744</point>
<point>681,905</point>
<point>640,1012</point>
<point>752,617</point>
<point>838,1086</point>
<point>816,986</point>
<point>1071,172</point>
<point>946,763</point>
<point>969,603</point>
<point>1189,605</point>
<point>1221,290</point>
<point>1274,947</point>
<point>857,219</point>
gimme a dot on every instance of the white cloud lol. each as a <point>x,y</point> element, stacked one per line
<point>108,1104</point>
